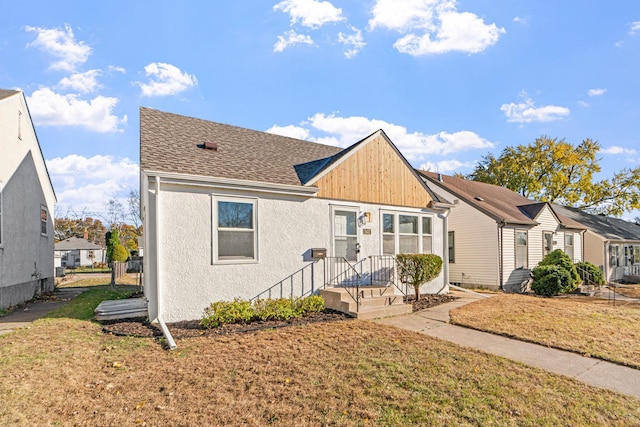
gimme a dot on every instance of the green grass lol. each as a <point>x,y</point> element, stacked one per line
<point>83,305</point>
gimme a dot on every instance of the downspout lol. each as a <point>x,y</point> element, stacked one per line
<point>605,260</point>
<point>163,326</point>
<point>445,238</point>
<point>501,255</point>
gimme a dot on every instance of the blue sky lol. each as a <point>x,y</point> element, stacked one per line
<point>448,81</point>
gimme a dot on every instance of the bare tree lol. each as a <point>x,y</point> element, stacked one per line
<point>133,213</point>
<point>115,214</point>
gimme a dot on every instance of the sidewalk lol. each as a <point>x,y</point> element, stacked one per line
<point>24,315</point>
<point>434,322</point>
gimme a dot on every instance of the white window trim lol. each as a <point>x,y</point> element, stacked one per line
<point>345,208</point>
<point>214,229</point>
<point>396,229</point>
<point>515,248</point>
<point>44,208</point>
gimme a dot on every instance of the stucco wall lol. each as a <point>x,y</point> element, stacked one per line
<point>287,228</point>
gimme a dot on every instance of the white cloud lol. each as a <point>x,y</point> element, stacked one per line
<point>584,103</point>
<point>291,131</point>
<point>445,166</point>
<point>53,109</point>
<point>117,69</point>
<point>596,92</point>
<point>291,38</point>
<point>415,146</point>
<point>165,79</point>
<point>614,149</point>
<point>527,112</point>
<point>353,42</point>
<point>520,20</point>
<point>310,13</point>
<point>635,28</point>
<point>434,26</point>
<point>86,183</point>
<point>82,82</point>
<point>61,44</point>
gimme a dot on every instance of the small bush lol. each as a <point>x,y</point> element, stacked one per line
<point>119,254</point>
<point>275,309</point>
<point>562,260</point>
<point>590,273</point>
<point>241,311</point>
<point>550,280</point>
<point>224,312</point>
<point>418,269</point>
<point>311,304</point>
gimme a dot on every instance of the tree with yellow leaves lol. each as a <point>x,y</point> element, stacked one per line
<point>555,171</point>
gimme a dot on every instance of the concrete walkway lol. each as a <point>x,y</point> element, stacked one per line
<point>435,322</point>
<point>24,315</point>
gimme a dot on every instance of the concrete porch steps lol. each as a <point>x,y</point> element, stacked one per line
<point>375,301</point>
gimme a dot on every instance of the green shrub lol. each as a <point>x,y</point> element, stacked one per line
<point>275,309</point>
<point>224,312</point>
<point>591,274</point>
<point>418,269</point>
<point>311,304</point>
<point>241,311</point>
<point>562,260</point>
<point>119,254</point>
<point>550,280</point>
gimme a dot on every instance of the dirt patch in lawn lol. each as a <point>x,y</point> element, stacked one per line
<point>140,327</point>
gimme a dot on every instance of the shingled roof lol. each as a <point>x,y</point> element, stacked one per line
<point>172,143</point>
<point>74,244</point>
<point>5,93</point>
<point>498,202</point>
<point>607,227</point>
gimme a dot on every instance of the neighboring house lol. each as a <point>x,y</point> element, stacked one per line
<point>612,244</point>
<point>77,252</point>
<point>26,204</point>
<point>496,236</point>
<point>228,212</point>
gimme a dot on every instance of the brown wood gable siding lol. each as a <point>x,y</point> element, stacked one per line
<point>374,173</point>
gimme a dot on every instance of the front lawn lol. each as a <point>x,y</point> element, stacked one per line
<point>631,291</point>
<point>344,373</point>
<point>584,325</point>
<point>83,306</point>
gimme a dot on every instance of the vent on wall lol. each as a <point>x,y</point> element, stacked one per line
<point>478,198</point>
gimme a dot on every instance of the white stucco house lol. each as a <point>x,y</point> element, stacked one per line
<point>77,252</point>
<point>496,236</point>
<point>612,244</point>
<point>27,202</point>
<point>230,212</point>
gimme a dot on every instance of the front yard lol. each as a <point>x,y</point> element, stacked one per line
<point>65,371</point>
<point>584,325</point>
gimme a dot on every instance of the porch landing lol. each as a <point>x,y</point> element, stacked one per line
<point>375,301</point>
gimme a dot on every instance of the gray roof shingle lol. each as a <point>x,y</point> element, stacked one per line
<point>608,227</point>
<point>498,202</point>
<point>5,93</point>
<point>170,143</point>
<point>75,243</point>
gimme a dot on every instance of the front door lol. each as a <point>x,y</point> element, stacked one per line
<point>345,235</point>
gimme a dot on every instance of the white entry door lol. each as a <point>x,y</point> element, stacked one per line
<point>345,235</point>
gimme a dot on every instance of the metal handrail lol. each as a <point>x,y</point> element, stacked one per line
<point>343,274</point>
<point>290,279</point>
<point>383,270</point>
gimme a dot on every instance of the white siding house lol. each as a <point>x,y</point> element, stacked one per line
<point>499,236</point>
<point>26,206</point>
<point>230,212</point>
<point>78,252</point>
<point>612,244</point>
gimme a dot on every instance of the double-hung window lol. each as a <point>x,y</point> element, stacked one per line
<point>568,245</point>
<point>234,237</point>
<point>43,220</point>
<point>522,241</point>
<point>406,233</point>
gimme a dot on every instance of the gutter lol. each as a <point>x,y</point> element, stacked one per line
<point>163,326</point>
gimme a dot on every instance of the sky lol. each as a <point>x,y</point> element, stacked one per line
<point>448,81</point>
